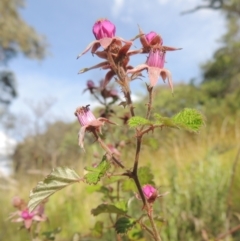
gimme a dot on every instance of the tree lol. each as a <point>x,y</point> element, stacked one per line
<point>16,36</point>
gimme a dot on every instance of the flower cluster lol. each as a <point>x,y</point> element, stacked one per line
<point>117,55</point>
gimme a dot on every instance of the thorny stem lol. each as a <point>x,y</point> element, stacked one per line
<point>124,82</point>
<point>138,149</point>
<point>136,180</point>
<point>129,102</point>
<point>105,147</point>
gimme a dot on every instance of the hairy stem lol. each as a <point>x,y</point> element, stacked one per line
<point>155,231</point>
<point>129,102</point>
<point>149,104</point>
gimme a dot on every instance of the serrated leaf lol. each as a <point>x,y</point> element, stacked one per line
<point>145,177</point>
<point>55,181</point>
<point>97,231</point>
<point>137,121</point>
<point>189,119</point>
<point>118,208</point>
<point>95,174</point>
<point>123,224</point>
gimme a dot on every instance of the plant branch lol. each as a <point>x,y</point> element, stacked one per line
<point>149,104</point>
<point>138,149</point>
<point>150,216</point>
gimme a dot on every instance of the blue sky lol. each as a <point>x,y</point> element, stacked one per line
<point>67,26</point>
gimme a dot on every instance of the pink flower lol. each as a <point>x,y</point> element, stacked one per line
<point>103,28</point>
<point>28,217</point>
<point>89,123</point>
<point>85,116</point>
<point>156,58</point>
<point>104,32</point>
<point>154,66</point>
<point>149,41</point>
<point>150,193</point>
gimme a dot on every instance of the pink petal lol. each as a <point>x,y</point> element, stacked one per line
<point>167,73</point>
<point>28,223</point>
<point>18,220</point>
<point>105,42</point>
<point>39,218</point>
<point>88,48</point>
<point>81,134</point>
<point>153,74</point>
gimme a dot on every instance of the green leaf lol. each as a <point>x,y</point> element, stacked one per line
<point>97,231</point>
<point>55,181</point>
<point>118,208</point>
<point>137,121</point>
<point>145,177</point>
<point>95,174</point>
<point>123,224</point>
<point>189,119</point>
<point>136,233</point>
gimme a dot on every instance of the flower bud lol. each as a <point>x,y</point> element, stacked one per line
<point>90,84</point>
<point>150,193</point>
<point>153,38</point>
<point>150,36</point>
<point>103,28</point>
